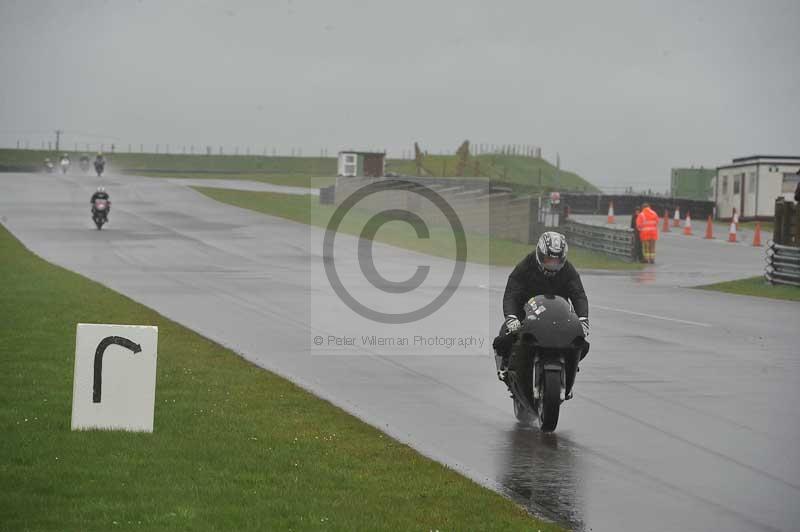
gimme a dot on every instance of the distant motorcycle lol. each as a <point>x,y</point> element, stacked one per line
<point>48,166</point>
<point>64,165</point>
<point>99,166</point>
<point>84,162</point>
<point>544,360</point>
<point>100,212</point>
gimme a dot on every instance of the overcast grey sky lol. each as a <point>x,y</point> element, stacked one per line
<point>623,90</point>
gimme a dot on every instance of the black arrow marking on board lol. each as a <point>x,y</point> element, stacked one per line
<point>98,360</point>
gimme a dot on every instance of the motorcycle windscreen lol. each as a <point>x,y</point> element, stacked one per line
<point>551,321</point>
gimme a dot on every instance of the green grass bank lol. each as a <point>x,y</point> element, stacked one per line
<point>756,286</point>
<point>234,447</point>
<point>524,175</point>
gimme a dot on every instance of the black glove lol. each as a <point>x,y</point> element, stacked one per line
<point>512,323</point>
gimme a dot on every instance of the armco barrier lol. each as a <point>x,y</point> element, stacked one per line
<point>481,209</point>
<point>617,242</point>
<point>783,264</point>
<point>509,217</point>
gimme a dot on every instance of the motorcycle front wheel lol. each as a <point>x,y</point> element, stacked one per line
<point>550,402</point>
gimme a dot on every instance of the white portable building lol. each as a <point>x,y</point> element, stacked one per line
<point>751,184</point>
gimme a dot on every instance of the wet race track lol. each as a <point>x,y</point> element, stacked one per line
<point>684,412</point>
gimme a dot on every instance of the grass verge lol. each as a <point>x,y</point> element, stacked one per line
<point>481,249</point>
<point>234,447</point>
<point>756,286</point>
<point>287,180</point>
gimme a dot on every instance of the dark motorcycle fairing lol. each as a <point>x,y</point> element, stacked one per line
<point>550,323</point>
<point>551,337</point>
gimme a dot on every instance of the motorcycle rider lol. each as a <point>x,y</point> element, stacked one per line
<point>65,162</point>
<point>546,270</point>
<point>99,163</point>
<point>101,194</point>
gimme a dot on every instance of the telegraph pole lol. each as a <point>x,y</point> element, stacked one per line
<point>58,137</point>
<point>558,167</point>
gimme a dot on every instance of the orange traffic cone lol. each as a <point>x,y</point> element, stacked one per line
<point>610,212</point>
<point>665,227</point>
<point>732,232</point>
<point>757,235</point>
<point>676,221</point>
<point>709,229</point>
<point>687,228</point>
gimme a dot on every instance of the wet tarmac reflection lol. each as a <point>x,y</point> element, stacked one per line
<point>645,277</point>
<point>540,472</point>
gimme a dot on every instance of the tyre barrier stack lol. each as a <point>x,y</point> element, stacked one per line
<point>783,264</point>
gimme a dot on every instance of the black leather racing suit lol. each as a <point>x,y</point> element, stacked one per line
<point>526,281</point>
<point>101,196</point>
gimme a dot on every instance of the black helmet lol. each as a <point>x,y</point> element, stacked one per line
<point>551,253</point>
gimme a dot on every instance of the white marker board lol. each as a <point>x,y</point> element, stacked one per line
<point>114,384</point>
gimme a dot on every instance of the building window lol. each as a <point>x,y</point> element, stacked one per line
<point>790,180</point>
<point>752,178</point>
<point>725,184</point>
<point>736,184</point>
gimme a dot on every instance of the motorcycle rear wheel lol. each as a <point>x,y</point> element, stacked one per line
<point>550,402</point>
